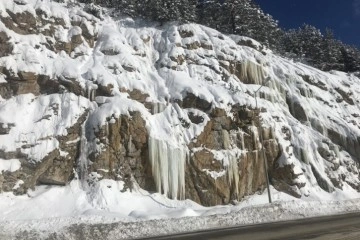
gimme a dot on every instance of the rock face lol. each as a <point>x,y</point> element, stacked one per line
<point>125,152</point>
<point>55,35</point>
<point>223,133</point>
<point>61,170</point>
<point>46,157</point>
<point>5,47</point>
<point>185,110</point>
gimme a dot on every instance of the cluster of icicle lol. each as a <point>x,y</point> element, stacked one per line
<point>251,72</point>
<point>232,168</point>
<point>91,91</point>
<point>168,168</point>
<point>233,172</point>
<point>233,158</point>
<point>168,162</point>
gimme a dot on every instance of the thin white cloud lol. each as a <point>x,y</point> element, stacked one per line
<point>356,5</point>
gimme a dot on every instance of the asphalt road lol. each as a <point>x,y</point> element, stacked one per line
<point>322,228</point>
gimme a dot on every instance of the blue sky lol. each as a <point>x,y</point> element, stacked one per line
<point>342,16</point>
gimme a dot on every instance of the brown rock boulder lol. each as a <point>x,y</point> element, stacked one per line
<point>21,23</point>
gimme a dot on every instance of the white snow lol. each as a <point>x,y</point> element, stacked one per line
<point>38,121</point>
<point>106,203</point>
<point>18,184</point>
<point>2,78</point>
<point>10,165</point>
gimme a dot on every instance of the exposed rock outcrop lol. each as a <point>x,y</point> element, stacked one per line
<point>238,139</point>
<point>5,46</point>
<point>57,167</point>
<point>124,152</point>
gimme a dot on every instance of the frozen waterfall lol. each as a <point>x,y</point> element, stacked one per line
<point>168,168</point>
<point>250,72</point>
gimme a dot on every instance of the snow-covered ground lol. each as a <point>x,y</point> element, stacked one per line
<point>139,213</point>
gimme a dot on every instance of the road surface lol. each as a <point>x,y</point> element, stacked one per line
<point>344,227</point>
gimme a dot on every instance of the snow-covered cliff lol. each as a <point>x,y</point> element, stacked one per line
<point>175,109</point>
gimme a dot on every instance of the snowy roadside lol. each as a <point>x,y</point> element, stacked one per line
<point>104,228</point>
<point>70,213</point>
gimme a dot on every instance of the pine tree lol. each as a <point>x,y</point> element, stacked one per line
<point>214,14</point>
<point>170,10</point>
<point>291,44</point>
<point>260,26</point>
<point>241,17</point>
<point>209,13</point>
<point>331,58</point>
<point>351,58</point>
<point>305,43</point>
<point>188,11</point>
<point>129,7</point>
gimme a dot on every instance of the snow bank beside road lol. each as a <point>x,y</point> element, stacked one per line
<point>123,215</point>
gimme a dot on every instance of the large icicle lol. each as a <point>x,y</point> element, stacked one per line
<point>226,139</point>
<point>251,73</point>
<point>231,165</point>
<point>168,168</point>
<point>242,139</point>
<point>233,172</point>
<point>256,140</point>
<point>83,160</point>
<point>157,108</point>
<point>91,91</point>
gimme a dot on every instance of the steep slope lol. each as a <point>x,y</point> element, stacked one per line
<point>172,109</point>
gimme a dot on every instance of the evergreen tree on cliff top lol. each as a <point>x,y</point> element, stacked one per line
<point>168,10</point>
<point>241,17</point>
<point>244,17</point>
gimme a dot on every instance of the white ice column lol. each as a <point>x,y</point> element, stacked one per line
<point>168,168</point>
<point>83,160</point>
<point>233,172</point>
